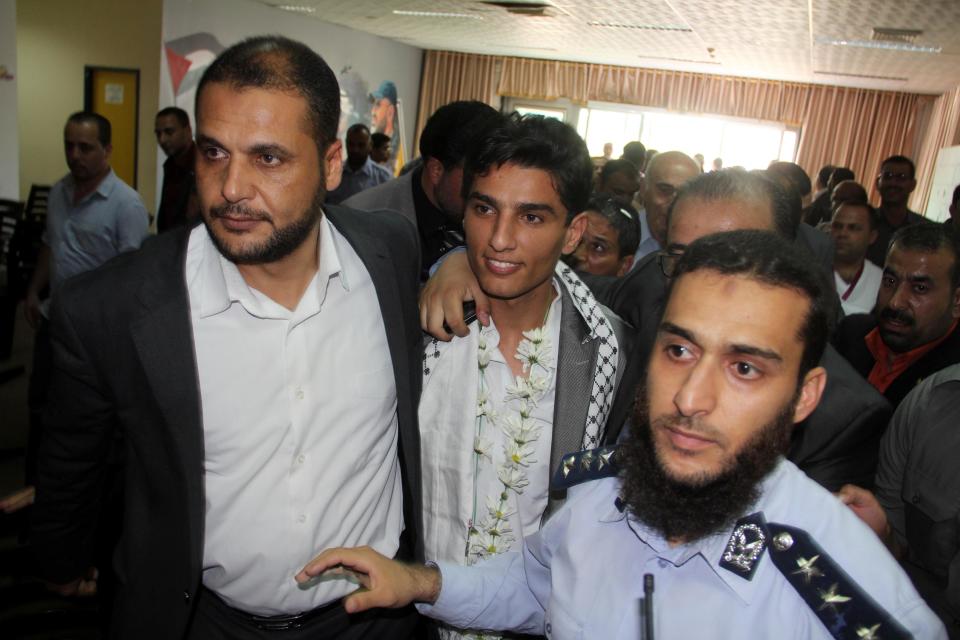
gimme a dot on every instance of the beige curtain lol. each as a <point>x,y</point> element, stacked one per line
<point>943,131</point>
<point>858,128</point>
<point>448,76</point>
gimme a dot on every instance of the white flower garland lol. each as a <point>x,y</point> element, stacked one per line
<point>492,534</point>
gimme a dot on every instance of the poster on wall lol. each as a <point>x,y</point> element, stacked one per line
<point>187,59</point>
<point>381,110</point>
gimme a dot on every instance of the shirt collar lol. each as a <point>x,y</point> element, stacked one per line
<point>103,190</point>
<point>222,284</point>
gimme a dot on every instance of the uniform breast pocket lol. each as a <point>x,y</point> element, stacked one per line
<point>560,625</point>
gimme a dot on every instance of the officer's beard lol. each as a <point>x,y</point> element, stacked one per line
<point>689,509</point>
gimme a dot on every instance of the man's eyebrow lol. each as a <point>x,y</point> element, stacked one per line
<point>205,139</point>
<point>758,352</point>
<point>528,207</point>
<point>270,149</point>
<point>686,334</point>
<point>482,197</point>
<point>922,279</point>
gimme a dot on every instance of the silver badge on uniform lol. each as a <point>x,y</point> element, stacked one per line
<point>745,546</point>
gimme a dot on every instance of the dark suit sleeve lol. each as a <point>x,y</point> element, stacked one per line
<point>77,437</point>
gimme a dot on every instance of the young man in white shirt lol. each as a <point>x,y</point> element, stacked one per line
<point>502,404</point>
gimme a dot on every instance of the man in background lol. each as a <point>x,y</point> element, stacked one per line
<point>666,173</point>
<point>430,195</point>
<point>618,179</point>
<point>913,330</point>
<point>895,182</point>
<point>360,172</point>
<point>380,151</point>
<point>854,229</point>
<point>178,199</point>
<point>610,239</point>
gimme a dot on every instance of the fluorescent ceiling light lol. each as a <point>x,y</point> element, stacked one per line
<point>436,14</point>
<point>296,8</point>
<point>645,27</point>
<point>881,44</point>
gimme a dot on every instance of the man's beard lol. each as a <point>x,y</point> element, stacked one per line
<point>281,243</point>
<point>692,509</point>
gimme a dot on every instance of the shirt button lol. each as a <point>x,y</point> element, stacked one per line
<point>299,393</point>
<point>662,563</point>
<point>186,596</point>
<point>548,629</point>
<point>301,458</point>
<point>915,499</point>
<point>302,519</point>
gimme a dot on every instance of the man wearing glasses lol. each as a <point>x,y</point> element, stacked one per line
<point>895,182</point>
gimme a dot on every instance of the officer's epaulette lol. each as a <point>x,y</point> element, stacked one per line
<point>844,608</point>
<point>583,466</point>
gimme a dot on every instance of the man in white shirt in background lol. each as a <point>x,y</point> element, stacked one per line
<point>854,229</point>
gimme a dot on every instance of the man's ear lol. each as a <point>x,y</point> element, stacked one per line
<point>333,165</point>
<point>873,236</point>
<point>625,263</point>
<point>433,169</point>
<point>811,390</point>
<point>574,232</point>
<point>956,303</point>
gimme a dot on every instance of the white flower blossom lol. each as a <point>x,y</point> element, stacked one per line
<point>500,509</point>
<point>534,353</point>
<point>518,454</point>
<point>482,447</point>
<point>536,336</point>
<point>488,545</point>
<point>483,358</point>
<point>512,478</point>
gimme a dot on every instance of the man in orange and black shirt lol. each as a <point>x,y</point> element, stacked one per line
<point>913,330</point>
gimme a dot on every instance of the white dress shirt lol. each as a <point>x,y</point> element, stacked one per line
<point>864,295</point>
<point>299,425</point>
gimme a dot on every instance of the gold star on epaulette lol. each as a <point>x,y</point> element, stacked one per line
<point>567,465</point>
<point>604,458</point>
<point>831,598</point>
<point>868,634</point>
<point>807,570</point>
<point>586,460</point>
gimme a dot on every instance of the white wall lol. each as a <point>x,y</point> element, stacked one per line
<point>9,139</point>
<point>372,59</point>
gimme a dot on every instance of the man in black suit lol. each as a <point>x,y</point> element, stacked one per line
<point>260,374</point>
<point>913,331</point>
<point>839,441</point>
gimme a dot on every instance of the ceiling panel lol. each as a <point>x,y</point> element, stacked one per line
<point>777,39</point>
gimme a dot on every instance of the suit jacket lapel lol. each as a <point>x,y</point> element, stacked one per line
<point>164,341</point>
<point>576,356</point>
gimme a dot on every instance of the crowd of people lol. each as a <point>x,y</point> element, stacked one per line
<point>502,393</point>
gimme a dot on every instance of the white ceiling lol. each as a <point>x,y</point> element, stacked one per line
<point>776,39</point>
